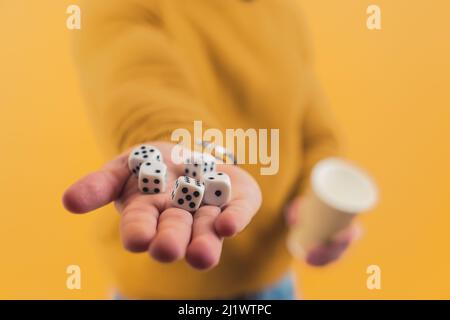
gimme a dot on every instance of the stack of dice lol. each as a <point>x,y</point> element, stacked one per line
<point>146,162</point>
<point>201,184</point>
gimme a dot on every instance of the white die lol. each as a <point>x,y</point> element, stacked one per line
<point>152,177</point>
<point>142,154</point>
<point>187,193</point>
<point>198,164</point>
<point>217,189</point>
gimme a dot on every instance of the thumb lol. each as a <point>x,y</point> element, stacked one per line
<point>98,188</point>
<point>292,211</point>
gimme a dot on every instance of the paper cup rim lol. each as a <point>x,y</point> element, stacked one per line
<point>358,178</point>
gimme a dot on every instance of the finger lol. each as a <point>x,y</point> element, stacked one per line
<point>206,246</point>
<point>324,254</point>
<point>329,252</point>
<point>351,234</point>
<point>172,236</point>
<point>293,210</point>
<point>97,189</point>
<point>235,217</point>
<point>138,223</point>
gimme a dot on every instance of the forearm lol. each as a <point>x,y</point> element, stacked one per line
<point>319,132</point>
<point>138,87</point>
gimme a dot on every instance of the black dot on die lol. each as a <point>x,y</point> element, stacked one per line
<point>204,170</point>
<point>180,201</point>
<point>192,205</point>
<point>144,151</point>
<point>158,157</point>
<point>156,181</point>
<point>145,180</point>
<point>195,164</point>
<point>136,153</point>
<point>211,178</point>
<point>184,190</point>
<point>196,194</point>
<point>220,174</point>
<point>186,171</point>
<point>194,173</point>
<point>148,164</point>
<point>134,170</point>
<point>145,190</point>
<point>158,171</point>
<point>218,193</point>
<point>145,156</point>
<point>143,147</point>
<point>188,197</point>
<point>156,190</point>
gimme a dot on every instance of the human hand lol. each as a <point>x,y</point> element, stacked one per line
<point>150,223</point>
<point>324,253</point>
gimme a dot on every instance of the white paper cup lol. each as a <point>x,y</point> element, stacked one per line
<point>339,191</point>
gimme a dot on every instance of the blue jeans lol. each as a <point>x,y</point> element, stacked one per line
<point>283,289</point>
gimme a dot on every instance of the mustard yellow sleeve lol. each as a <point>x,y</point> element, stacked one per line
<point>138,87</point>
<point>319,131</point>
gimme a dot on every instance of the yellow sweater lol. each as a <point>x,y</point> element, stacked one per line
<point>151,66</point>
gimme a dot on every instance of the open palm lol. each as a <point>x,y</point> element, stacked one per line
<point>150,223</point>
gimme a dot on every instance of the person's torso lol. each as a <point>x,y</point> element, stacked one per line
<point>248,60</point>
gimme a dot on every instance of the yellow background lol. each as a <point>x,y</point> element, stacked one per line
<point>390,90</point>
